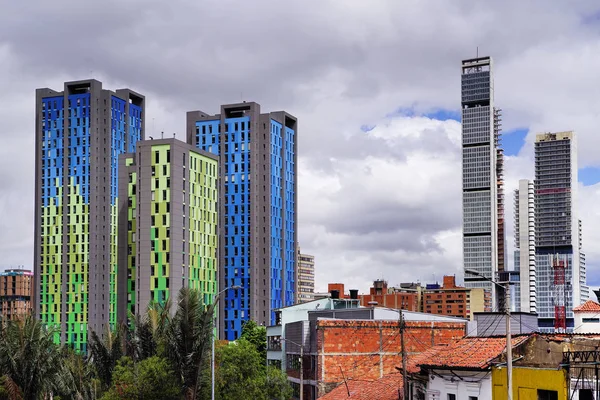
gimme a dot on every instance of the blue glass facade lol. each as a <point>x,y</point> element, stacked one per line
<point>135,127</point>
<point>117,141</point>
<point>235,174</point>
<point>276,218</point>
<point>79,144</point>
<point>52,149</point>
<point>290,217</point>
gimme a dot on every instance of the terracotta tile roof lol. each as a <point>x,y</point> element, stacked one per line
<point>386,388</point>
<point>589,305</point>
<point>468,352</point>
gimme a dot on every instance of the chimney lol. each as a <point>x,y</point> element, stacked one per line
<point>449,282</point>
<point>354,294</point>
<point>335,294</point>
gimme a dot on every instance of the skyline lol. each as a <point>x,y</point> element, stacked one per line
<point>365,113</point>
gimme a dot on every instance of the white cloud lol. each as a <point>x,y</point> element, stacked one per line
<point>382,204</point>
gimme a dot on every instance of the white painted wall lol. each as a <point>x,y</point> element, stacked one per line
<point>586,327</point>
<point>475,384</point>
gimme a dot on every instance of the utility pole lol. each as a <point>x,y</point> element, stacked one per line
<point>506,287</point>
<point>301,372</point>
<point>508,343</point>
<point>404,372</point>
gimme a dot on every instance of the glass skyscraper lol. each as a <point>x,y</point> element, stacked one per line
<point>482,181</point>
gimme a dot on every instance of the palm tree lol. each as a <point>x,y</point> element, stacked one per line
<point>148,336</point>
<point>29,358</point>
<point>188,340</point>
<point>106,352</point>
<point>77,379</point>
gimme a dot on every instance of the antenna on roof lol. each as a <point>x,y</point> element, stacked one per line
<point>477,52</point>
<point>162,134</point>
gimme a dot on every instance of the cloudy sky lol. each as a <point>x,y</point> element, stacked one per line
<point>375,86</point>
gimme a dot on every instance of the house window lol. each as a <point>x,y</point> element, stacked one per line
<point>591,320</point>
<point>547,394</point>
<point>473,398</point>
<point>451,396</point>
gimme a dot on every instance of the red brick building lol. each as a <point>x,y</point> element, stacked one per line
<point>367,349</point>
<point>403,300</point>
<point>16,293</point>
<point>447,299</point>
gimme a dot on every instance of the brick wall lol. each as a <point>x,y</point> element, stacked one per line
<point>366,350</point>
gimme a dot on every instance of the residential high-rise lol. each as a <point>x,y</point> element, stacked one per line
<point>482,183</point>
<point>525,246</point>
<point>257,209</point>
<point>557,230</point>
<point>305,278</point>
<point>80,133</point>
<point>168,224</point>
<point>16,293</point>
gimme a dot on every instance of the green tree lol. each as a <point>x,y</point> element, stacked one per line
<point>257,335</point>
<point>239,372</point>
<point>29,360</point>
<point>149,379</point>
<point>188,341</point>
<point>106,352</point>
<point>77,379</point>
<point>277,385</point>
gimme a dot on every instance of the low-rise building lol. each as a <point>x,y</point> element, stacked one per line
<point>587,317</point>
<point>16,293</point>
<point>337,338</point>
<point>545,366</point>
<point>446,299</point>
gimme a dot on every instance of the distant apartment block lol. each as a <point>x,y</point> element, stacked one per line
<point>447,299</point>
<point>168,215</point>
<point>482,182</point>
<point>80,133</point>
<point>305,277</point>
<point>381,295</point>
<point>525,247</point>
<point>257,208</point>
<point>16,293</point>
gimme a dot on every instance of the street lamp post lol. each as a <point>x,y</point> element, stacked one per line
<point>506,288</point>
<point>301,366</point>
<point>212,354</point>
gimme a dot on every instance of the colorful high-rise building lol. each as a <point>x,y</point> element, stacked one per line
<point>80,133</point>
<point>559,258</point>
<point>484,250</point>
<point>168,232</point>
<point>257,209</point>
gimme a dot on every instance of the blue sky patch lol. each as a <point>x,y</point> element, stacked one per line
<point>402,112</point>
<point>367,128</point>
<point>513,141</point>
<point>589,175</point>
<point>444,115</point>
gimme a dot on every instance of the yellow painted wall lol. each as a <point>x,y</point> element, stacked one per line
<point>526,382</point>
